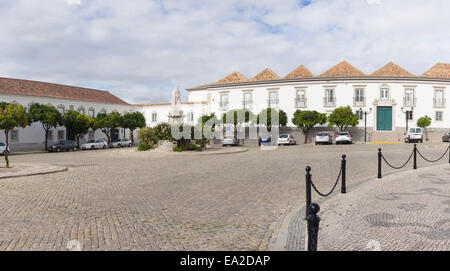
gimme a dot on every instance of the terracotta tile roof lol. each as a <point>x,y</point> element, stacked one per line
<point>34,88</point>
<point>392,70</point>
<point>439,70</point>
<point>342,69</point>
<point>235,77</point>
<point>161,104</point>
<point>300,72</point>
<point>266,74</point>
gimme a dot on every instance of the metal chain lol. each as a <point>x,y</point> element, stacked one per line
<point>335,184</point>
<point>398,167</point>
<point>433,161</point>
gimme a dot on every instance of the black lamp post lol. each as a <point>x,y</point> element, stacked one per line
<point>365,123</point>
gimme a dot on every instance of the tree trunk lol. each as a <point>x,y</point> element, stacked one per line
<point>132,137</point>
<point>78,140</point>
<point>306,137</point>
<point>7,148</point>
<point>46,138</point>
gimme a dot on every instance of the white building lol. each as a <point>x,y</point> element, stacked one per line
<point>388,95</point>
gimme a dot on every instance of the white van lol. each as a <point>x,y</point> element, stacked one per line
<point>414,135</point>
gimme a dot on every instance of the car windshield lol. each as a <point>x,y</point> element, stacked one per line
<point>228,137</point>
<point>419,130</point>
<point>343,133</point>
<point>2,144</point>
<point>322,134</point>
<point>91,141</point>
<point>284,136</point>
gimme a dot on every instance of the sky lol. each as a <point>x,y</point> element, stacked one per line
<point>139,49</point>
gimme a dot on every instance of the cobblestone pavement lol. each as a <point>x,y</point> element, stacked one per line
<point>405,211</point>
<point>124,200</point>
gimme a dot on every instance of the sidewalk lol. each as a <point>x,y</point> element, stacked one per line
<point>403,211</point>
<point>29,169</point>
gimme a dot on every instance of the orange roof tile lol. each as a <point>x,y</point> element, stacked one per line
<point>266,74</point>
<point>234,77</point>
<point>392,69</point>
<point>299,72</point>
<point>439,70</point>
<point>342,69</point>
<point>34,88</point>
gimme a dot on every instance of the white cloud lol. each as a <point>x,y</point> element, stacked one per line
<point>139,49</point>
<point>73,2</point>
<point>374,2</point>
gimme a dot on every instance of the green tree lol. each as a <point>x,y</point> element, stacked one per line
<point>107,122</point>
<point>236,118</point>
<point>424,122</point>
<point>306,120</point>
<point>206,125</point>
<point>343,117</point>
<point>265,117</point>
<point>132,121</point>
<point>146,138</point>
<point>47,115</point>
<point>12,116</point>
<point>162,132</point>
<point>77,123</point>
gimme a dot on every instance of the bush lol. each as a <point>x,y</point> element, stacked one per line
<point>177,149</point>
<point>144,147</point>
<point>162,131</point>
<point>187,148</point>
<point>147,136</point>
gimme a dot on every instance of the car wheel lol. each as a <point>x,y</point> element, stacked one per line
<point>129,145</point>
<point>104,146</point>
<point>119,146</point>
<point>92,147</point>
<point>58,149</point>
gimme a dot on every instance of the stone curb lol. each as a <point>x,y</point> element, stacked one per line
<point>37,171</point>
<point>283,238</point>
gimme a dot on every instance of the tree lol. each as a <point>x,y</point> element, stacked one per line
<point>424,122</point>
<point>343,117</point>
<point>306,120</point>
<point>146,138</point>
<point>47,115</point>
<point>77,123</point>
<point>265,117</point>
<point>237,117</point>
<point>132,121</point>
<point>206,125</point>
<point>107,122</point>
<point>12,116</point>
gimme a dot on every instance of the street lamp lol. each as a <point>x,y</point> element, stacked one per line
<point>406,113</point>
<point>365,123</point>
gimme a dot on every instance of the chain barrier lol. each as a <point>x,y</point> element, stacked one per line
<point>334,186</point>
<point>409,159</point>
<point>433,161</point>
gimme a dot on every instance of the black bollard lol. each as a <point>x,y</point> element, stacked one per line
<point>308,189</point>
<point>415,156</point>
<point>343,166</point>
<point>449,154</point>
<point>379,163</point>
<point>313,226</point>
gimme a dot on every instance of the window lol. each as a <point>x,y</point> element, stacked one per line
<point>224,102</point>
<point>71,107</point>
<point>439,100</point>
<point>154,117</point>
<point>409,115</point>
<point>409,97</point>
<point>439,116</point>
<point>359,99</point>
<point>61,110</point>
<point>14,136</point>
<point>360,114</point>
<point>91,113</point>
<point>50,135</point>
<point>273,99</point>
<point>191,116</point>
<point>301,98</point>
<point>61,135</point>
<point>384,93</point>
<point>247,100</point>
<point>91,135</point>
<point>329,99</point>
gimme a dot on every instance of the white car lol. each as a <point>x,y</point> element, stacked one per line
<point>286,139</point>
<point>414,135</point>
<point>94,144</point>
<point>120,143</point>
<point>343,137</point>
<point>323,138</point>
<point>3,148</point>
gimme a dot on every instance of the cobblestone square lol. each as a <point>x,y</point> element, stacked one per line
<point>119,199</point>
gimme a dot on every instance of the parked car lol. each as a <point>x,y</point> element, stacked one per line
<point>414,135</point>
<point>324,138</point>
<point>120,143</point>
<point>446,137</point>
<point>94,144</point>
<point>230,141</point>
<point>64,145</point>
<point>264,139</point>
<point>343,137</point>
<point>286,139</point>
<point>3,148</point>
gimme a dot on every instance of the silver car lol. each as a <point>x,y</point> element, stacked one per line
<point>286,139</point>
<point>323,138</point>
<point>230,141</point>
<point>120,143</point>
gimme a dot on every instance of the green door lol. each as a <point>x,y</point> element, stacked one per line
<point>384,118</point>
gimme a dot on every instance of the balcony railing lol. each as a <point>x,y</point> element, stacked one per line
<point>300,102</point>
<point>247,104</point>
<point>359,101</point>
<point>409,101</point>
<point>223,106</point>
<point>272,103</point>
<point>439,102</point>
<point>329,102</point>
